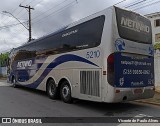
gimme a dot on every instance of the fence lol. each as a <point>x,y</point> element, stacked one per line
<point>3,71</point>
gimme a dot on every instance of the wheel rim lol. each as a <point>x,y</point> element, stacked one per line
<point>65,91</point>
<point>51,89</point>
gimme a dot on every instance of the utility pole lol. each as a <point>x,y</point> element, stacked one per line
<point>30,28</point>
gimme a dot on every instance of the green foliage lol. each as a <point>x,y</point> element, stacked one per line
<point>3,59</point>
<point>157,46</point>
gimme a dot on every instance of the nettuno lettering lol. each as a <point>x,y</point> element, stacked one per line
<point>134,25</point>
<point>24,64</point>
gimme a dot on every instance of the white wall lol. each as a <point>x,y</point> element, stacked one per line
<point>155,30</point>
<point>3,71</point>
<point>157,68</point>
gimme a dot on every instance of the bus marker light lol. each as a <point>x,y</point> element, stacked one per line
<point>118,91</point>
<point>104,72</point>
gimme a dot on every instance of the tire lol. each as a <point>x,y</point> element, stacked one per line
<point>51,89</point>
<point>65,92</point>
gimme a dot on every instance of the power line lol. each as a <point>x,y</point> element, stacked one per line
<point>21,10</point>
<point>132,3</point>
<point>10,32</point>
<point>14,11</point>
<point>143,3</point>
<point>31,2</point>
<point>147,5</point>
<point>59,10</point>
<point>40,14</point>
<point>20,14</point>
<point>49,9</point>
<point>120,2</point>
<point>9,26</point>
<point>23,1</point>
<point>135,3</point>
<point>25,12</point>
<point>17,7</point>
<point>6,22</point>
<point>38,3</point>
<point>5,14</point>
<point>32,6</point>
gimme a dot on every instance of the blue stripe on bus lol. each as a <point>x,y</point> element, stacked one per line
<point>60,60</point>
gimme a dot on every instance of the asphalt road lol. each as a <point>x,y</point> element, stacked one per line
<point>23,102</point>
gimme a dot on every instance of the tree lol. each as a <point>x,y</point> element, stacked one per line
<point>157,46</point>
<point>3,59</point>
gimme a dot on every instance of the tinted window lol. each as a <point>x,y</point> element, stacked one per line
<point>26,52</point>
<point>82,36</point>
<point>85,35</point>
<point>133,26</point>
<point>48,44</point>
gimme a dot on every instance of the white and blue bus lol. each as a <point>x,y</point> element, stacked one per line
<point>105,57</point>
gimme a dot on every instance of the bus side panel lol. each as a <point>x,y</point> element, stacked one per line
<point>76,70</point>
<point>107,46</point>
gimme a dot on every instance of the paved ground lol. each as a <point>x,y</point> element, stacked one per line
<point>155,100</point>
<point>22,102</point>
<point>158,89</point>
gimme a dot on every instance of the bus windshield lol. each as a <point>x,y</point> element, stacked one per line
<point>134,27</point>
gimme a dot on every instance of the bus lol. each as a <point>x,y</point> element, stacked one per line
<point>106,57</point>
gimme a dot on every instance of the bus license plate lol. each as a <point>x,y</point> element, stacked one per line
<point>138,91</point>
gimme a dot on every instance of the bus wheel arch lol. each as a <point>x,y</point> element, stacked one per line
<point>65,90</point>
<point>51,88</point>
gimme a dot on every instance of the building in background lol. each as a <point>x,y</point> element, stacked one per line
<point>155,22</point>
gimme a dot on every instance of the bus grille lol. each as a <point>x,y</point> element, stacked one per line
<point>89,83</point>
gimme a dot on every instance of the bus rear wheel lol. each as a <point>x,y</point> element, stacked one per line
<point>65,92</point>
<point>51,89</point>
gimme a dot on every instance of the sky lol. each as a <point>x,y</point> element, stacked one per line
<point>50,15</point>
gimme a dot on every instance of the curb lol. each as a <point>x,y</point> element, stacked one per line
<point>152,101</point>
<point>148,102</point>
<point>3,78</point>
<point>157,91</point>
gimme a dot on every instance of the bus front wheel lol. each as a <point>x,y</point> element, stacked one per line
<point>65,92</point>
<point>51,89</point>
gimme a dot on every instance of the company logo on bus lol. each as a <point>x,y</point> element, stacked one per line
<point>121,81</point>
<point>70,33</point>
<point>134,25</point>
<point>24,64</point>
<point>120,45</point>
